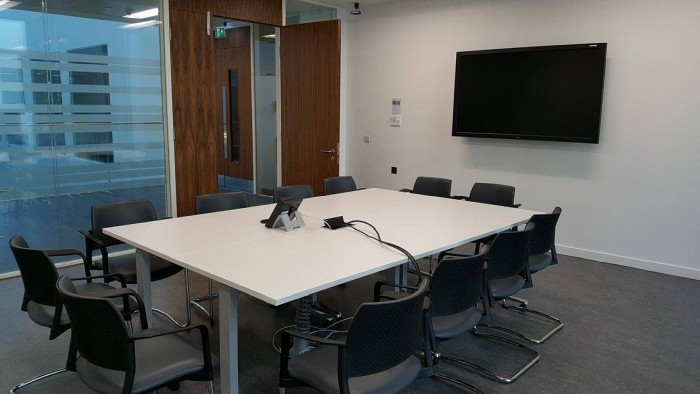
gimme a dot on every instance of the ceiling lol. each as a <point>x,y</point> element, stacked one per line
<point>349,4</point>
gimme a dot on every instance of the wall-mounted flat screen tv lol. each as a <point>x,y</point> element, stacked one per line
<point>551,93</point>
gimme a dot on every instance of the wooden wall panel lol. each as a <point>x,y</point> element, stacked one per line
<point>310,89</point>
<point>195,141</point>
<point>268,12</point>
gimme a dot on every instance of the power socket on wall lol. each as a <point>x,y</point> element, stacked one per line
<point>394,170</point>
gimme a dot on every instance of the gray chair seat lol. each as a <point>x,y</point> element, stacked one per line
<point>158,360</point>
<point>446,327</point>
<point>539,262</point>
<point>126,265</point>
<point>320,367</point>
<point>503,288</point>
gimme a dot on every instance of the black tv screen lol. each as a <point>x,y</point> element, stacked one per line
<point>551,93</point>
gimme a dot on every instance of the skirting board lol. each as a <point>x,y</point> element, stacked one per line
<point>653,266</point>
<point>68,263</point>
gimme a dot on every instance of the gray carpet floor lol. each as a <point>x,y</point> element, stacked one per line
<point>627,331</point>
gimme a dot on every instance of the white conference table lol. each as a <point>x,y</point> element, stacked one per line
<point>236,250</point>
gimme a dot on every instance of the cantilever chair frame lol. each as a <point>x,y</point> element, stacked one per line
<point>487,302</point>
<point>545,227</point>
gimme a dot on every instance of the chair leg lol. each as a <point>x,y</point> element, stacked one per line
<point>490,374</point>
<point>187,306</point>
<point>457,382</point>
<point>36,379</point>
<point>196,303</point>
<point>523,308</point>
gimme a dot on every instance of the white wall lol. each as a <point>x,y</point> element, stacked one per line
<point>631,200</point>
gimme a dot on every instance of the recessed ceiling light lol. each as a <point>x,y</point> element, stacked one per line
<point>5,4</point>
<point>143,14</point>
<point>139,25</point>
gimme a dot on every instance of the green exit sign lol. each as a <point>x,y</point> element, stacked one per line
<point>220,32</point>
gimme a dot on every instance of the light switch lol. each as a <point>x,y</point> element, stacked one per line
<point>366,139</point>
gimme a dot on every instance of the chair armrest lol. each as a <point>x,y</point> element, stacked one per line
<point>311,338</point>
<point>65,252</point>
<point>517,205</point>
<point>118,277</point>
<point>126,293</point>
<point>88,235</point>
<point>406,190</point>
<point>378,286</point>
<point>137,336</point>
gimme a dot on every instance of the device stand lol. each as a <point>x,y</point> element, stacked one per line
<point>296,220</point>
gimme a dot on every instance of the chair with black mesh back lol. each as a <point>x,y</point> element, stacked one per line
<point>113,361</point>
<point>492,193</point>
<point>506,274</point>
<point>41,300</point>
<point>209,203</point>
<point>455,291</point>
<point>295,191</point>
<point>119,214</point>
<point>339,184</point>
<point>376,356</point>
<point>305,191</point>
<point>542,254</point>
<point>431,186</point>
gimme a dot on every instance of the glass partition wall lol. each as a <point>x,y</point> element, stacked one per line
<point>81,116</point>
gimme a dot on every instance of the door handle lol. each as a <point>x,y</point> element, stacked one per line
<point>223,113</point>
<point>332,151</point>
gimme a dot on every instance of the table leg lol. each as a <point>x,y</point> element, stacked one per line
<point>228,331</point>
<point>143,285</point>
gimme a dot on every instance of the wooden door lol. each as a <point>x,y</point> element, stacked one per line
<point>310,90</point>
<point>193,108</point>
<point>234,112</point>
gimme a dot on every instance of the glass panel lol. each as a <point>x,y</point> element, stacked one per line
<point>81,118</point>
<point>300,12</point>
<point>265,78</point>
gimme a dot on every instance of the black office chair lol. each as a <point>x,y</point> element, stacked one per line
<point>456,288</point>
<point>377,356</point>
<point>542,254</point>
<point>295,191</point>
<point>492,193</point>
<point>339,184</point>
<point>41,300</point>
<point>305,191</point>
<point>113,361</point>
<point>506,273</point>
<point>430,186</point>
<point>118,214</point>
<point>209,203</point>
